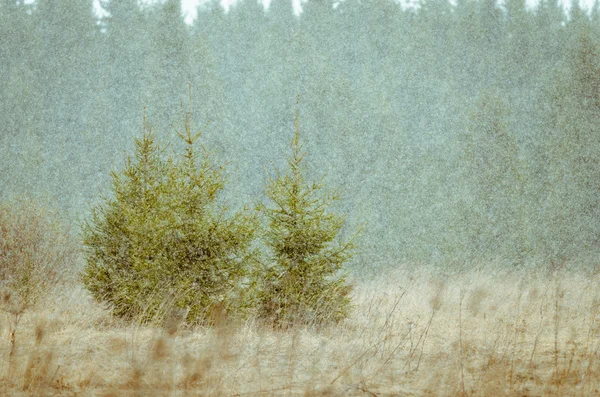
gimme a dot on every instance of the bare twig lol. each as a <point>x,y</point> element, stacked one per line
<point>460,343</point>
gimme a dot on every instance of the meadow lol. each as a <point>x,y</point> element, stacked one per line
<point>416,331</point>
<point>461,129</point>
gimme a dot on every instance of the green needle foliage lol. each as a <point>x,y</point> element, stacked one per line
<point>163,245</point>
<point>302,282</point>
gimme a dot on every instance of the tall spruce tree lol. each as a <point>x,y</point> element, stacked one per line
<point>572,144</point>
<point>494,175</point>
<point>127,80</point>
<point>67,77</point>
<point>168,64</point>
<point>21,131</point>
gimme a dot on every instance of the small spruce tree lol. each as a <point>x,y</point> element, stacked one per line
<point>302,281</point>
<point>163,243</point>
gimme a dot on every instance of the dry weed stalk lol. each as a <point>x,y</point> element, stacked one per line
<point>538,333</point>
<point>460,344</point>
<point>558,294</point>
<point>513,342</point>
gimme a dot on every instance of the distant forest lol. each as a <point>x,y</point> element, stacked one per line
<point>461,133</point>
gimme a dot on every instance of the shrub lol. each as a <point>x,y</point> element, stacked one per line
<point>163,243</point>
<point>37,252</point>
<point>302,282</point>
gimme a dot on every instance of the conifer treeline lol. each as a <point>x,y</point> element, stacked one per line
<point>461,132</point>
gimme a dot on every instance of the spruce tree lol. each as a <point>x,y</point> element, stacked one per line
<point>571,148</point>
<point>302,282</point>
<point>163,243</point>
<point>495,211</point>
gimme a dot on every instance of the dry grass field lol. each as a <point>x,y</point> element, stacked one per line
<point>413,333</point>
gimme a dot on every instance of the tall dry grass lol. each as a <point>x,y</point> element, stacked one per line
<point>484,332</point>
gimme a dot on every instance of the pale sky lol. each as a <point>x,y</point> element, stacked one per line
<point>190,7</point>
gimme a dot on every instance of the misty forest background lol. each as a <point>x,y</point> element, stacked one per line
<point>462,133</point>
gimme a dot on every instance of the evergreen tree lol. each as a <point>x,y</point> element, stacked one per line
<point>303,283</point>
<point>248,73</point>
<point>494,174</point>
<point>572,144</point>
<point>21,130</point>
<point>127,38</point>
<point>67,73</point>
<point>208,78</point>
<point>163,243</point>
<point>168,63</point>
